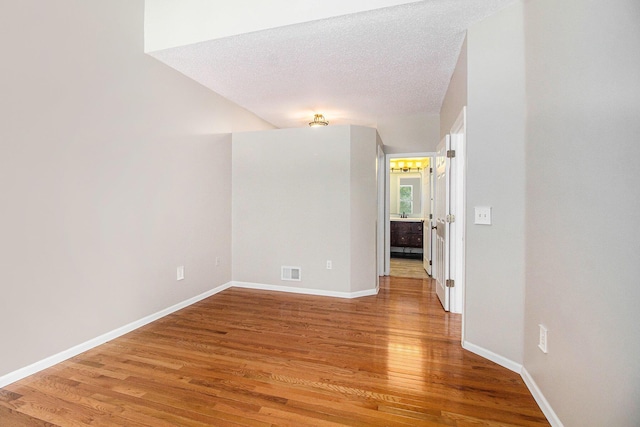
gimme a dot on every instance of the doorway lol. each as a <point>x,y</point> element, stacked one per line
<point>408,212</point>
<point>450,221</point>
<point>407,268</point>
<point>454,217</point>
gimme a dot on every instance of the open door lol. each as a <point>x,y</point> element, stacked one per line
<point>427,201</point>
<point>442,258</point>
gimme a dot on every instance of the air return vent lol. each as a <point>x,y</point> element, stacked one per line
<point>291,273</point>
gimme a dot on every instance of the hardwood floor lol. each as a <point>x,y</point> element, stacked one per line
<point>403,267</point>
<point>255,358</point>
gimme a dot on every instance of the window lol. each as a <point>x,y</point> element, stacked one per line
<point>406,199</point>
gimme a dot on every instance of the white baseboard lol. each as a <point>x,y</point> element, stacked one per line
<point>295,290</point>
<point>494,357</point>
<point>546,408</point>
<point>88,345</point>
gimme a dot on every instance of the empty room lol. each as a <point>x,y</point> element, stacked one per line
<point>201,201</point>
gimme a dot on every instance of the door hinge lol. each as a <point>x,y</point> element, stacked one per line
<point>450,283</point>
<point>430,262</point>
<point>430,216</point>
<point>451,154</point>
<point>450,218</point>
<point>430,170</point>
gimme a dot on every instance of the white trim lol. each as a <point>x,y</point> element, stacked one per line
<point>305,291</point>
<point>544,405</point>
<point>535,391</point>
<point>387,224</point>
<point>408,155</point>
<point>88,345</point>
<point>381,180</point>
<point>459,144</point>
<point>387,201</point>
<point>21,373</point>
<point>494,357</point>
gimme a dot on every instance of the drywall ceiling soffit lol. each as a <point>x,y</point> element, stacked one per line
<point>354,69</point>
<point>172,23</point>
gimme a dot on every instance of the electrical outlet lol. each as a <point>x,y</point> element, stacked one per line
<point>482,215</point>
<point>329,265</point>
<point>217,261</point>
<point>180,272</point>
<point>542,340</point>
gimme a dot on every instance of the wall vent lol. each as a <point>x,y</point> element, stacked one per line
<point>291,273</point>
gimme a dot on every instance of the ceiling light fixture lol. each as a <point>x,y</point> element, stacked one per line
<point>318,120</point>
<point>404,165</point>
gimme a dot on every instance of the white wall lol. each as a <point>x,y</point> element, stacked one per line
<point>494,301</point>
<point>456,96</point>
<point>417,133</point>
<point>295,195</point>
<point>363,191</point>
<point>291,206</point>
<point>583,92</point>
<point>171,23</point>
<point>582,101</point>
<point>111,176</point>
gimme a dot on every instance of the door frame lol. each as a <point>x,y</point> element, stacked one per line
<point>428,222</point>
<point>458,142</point>
<point>444,206</point>
<point>387,211</point>
<point>381,177</point>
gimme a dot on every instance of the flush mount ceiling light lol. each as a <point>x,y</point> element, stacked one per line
<point>318,120</point>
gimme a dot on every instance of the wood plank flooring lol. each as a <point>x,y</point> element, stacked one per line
<point>254,358</point>
<point>404,267</point>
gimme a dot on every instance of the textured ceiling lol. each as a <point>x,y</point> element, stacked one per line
<point>354,69</point>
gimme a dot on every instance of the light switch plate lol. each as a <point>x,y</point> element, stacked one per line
<point>482,215</point>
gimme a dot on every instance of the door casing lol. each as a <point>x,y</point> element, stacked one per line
<point>387,207</point>
<point>456,230</point>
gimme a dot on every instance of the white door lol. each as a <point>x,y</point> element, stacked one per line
<point>427,203</point>
<point>442,252</point>
<point>456,165</point>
